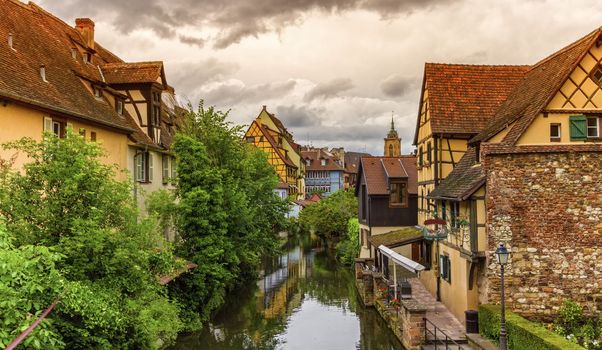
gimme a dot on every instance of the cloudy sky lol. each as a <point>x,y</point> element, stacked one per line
<point>333,70</point>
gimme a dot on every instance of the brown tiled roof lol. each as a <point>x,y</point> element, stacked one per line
<point>396,238</point>
<point>464,180</point>
<point>394,168</point>
<point>352,161</point>
<point>137,72</point>
<point>316,155</point>
<point>42,39</point>
<point>462,98</point>
<point>536,89</point>
<point>372,169</point>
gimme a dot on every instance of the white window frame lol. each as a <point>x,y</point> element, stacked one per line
<point>150,166</point>
<point>165,163</point>
<point>597,127</point>
<point>323,162</point>
<point>140,167</point>
<point>119,106</point>
<point>556,137</point>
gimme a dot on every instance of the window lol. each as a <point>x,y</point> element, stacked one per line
<point>578,127</point>
<point>443,210</point>
<point>97,92</point>
<point>420,156</point>
<point>455,213</point>
<point>140,168</point>
<point>391,153</point>
<point>555,132</point>
<point>119,106</point>
<point>173,167</point>
<point>87,57</point>
<point>323,162</point>
<point>165,172</point>
<point>55,126</point>
<point>398,194</point>
<point>250,139</point>
<point>445,268</point>
<point>596,75</point>
<point>150,166</point>
<point>308,162</point>
<point>592,127</point>
<point>428,152</point>
<point>93,136</point>
<point>82,133</point>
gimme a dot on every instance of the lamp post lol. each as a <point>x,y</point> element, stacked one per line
<point>502,258</point>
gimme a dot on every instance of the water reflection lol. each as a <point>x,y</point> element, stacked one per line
<point>304,301</point>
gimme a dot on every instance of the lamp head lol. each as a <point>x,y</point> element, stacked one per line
<point>502,254</point>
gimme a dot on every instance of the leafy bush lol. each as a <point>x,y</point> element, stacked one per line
<point>574,325</point>
<point>349,248</point>
<point>329,217</point>
<point>522,334</point>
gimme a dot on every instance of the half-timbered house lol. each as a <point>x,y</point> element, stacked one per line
<point>55,77</point>
<point>269,134</point>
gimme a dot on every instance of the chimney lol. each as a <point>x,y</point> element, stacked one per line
<point>10,40</point>
<point>85,27</point>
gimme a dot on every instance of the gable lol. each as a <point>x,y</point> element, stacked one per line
<point>423,127</point>
<point>582,89</point>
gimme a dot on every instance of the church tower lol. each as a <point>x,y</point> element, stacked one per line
<point>392,142</point>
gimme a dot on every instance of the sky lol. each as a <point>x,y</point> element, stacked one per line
<point>334,71</point>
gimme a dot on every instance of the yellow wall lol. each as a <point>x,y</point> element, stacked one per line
<point>18,121</point>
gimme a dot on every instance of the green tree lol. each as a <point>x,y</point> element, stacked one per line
<point>67,200</point>
<point>328,217</point>
<point>348,249</point>
<point>227,212</point>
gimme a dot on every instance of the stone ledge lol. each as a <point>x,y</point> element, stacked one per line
<point>477,341</point>
<point>413,306</point>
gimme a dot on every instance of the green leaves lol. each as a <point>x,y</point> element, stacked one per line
<point>329,217</point>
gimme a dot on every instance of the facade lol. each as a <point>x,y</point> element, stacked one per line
<point>324,171</point>
<point>457,102</point>
<point>269,134</point>
<point>529,180</point>
<point>54,77</point>
<point>387,201</point>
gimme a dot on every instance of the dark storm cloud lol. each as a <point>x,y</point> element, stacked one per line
<point>329,89</point>
<point>200,42</point>
<point>234,19</point>
<point>299,116</point>
<point>228,94</point>
<point>395,85</point>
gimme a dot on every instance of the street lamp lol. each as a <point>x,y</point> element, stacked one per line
<point>502,258</point>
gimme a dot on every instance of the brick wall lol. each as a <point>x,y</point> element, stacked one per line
<point>547,207</point>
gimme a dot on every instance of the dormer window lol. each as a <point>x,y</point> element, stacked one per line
<point>87,57</point>
<point>308,162</point>
<point>97,92</point>
<point>323,162</point>
<point>73,53</point>
<point>119,106</point>
<point>398,194</point>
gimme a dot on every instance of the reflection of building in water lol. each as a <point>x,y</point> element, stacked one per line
<point>278,290</point>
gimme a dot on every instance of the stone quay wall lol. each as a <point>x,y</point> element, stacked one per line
<point>547,208</point>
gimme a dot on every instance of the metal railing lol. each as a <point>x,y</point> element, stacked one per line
<point>443,343</point>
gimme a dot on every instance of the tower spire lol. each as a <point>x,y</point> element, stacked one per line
<point>392,122</point>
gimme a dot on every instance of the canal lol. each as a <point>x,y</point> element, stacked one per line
<point>305,300</point>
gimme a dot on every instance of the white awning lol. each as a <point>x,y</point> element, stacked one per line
<point>401,260</point>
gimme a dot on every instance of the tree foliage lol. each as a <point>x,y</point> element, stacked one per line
<point>97,256</point>
<point>348,249</point>
<point>227,212</point>
<point>329,217</point>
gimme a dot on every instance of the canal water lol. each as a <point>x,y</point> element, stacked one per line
<point>305,300</point>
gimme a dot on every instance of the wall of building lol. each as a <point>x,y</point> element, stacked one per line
<point>144,189</point>
<point>547,208</point>
<point>18,121</point>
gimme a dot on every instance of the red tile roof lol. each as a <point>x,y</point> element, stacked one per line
<point>315,157</point>
<point>126,72</point>
<point>538,87</point>
<point>374,170</point>
<point>462,98</point>
<point>467,177</point>
<point>352,161</point>
<point>42,39</point>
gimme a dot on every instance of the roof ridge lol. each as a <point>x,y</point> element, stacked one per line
<point>476,65</point>
<point>566,48</point>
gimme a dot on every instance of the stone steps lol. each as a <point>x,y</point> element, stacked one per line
<point>443,347</point>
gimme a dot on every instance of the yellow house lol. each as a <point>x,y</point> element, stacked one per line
<point>269,134</point>
<point>54,76</point>
<point>456,103</point>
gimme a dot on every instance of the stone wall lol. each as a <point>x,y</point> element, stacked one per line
<point>547,208</point>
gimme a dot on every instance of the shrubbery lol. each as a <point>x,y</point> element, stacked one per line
<point>521,333</point>
<point>348,249</point>
<point>576,327</point>
<point>329,217</point>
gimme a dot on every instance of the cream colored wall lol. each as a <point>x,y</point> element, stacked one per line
<point>497,138</point>
<point>455,295</point>
<point>481,219</point>
<point>17,121</point>
<point>144,189</point>
<point>538,132</point>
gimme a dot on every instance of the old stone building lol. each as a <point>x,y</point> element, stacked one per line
<point>536,165</point>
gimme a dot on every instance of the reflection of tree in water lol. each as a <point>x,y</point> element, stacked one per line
<point>255,316</point>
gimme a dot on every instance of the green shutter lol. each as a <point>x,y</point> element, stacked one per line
<point>578,126</point>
